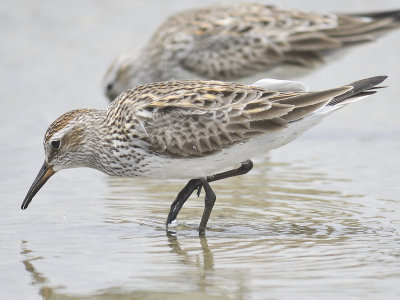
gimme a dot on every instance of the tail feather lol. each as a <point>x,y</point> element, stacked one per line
<point>362,27</point>
<point>360,88</point>
<point>392,14</point>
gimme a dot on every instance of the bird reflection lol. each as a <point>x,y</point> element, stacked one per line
<point>185,257</point>
<point>49,292</point>
<point>38,279</point>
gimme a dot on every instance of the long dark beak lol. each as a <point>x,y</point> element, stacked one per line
<point>46,171</point>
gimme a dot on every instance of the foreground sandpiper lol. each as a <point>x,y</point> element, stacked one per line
<point>228,41</point>
<point>188,129</point>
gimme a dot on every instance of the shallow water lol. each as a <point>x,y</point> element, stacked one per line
<point>317,218</point>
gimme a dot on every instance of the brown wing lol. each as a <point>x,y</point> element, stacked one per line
<point>197,118</point>
<point>231,40</point>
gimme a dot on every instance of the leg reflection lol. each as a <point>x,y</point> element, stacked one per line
<point>193,257</point>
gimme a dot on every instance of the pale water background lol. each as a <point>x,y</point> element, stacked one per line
<point>316,219</point>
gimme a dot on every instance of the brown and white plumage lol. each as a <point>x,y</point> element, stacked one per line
<point>186,129</point>
<point>228,41</point>
<point>195,119</point>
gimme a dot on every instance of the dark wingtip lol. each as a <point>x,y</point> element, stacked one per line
<point>367,83</point>
<point>360,86</point>
<point>394,14</point>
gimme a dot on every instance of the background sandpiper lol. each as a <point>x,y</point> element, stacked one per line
<point>230,41</point>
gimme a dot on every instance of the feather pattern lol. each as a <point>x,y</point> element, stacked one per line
<point>228,41</point>
<point>198,118</point>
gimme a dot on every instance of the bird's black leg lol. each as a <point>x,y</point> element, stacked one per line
<point>181,198</point>
<point>209,201</point>
<point>245,167</point>
<point>210,197</point>
<point>194,184</point>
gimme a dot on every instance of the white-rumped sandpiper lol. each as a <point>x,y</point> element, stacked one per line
<point>234,40</point>
<point>189,130</point>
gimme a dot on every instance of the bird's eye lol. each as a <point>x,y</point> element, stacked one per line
<point>109,87</point>
<point>55,144</point>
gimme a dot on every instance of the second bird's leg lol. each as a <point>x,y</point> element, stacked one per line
<point>194,184</point>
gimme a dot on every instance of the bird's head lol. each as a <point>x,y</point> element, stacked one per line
<point>121,75</point>
<point>67,145</point>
